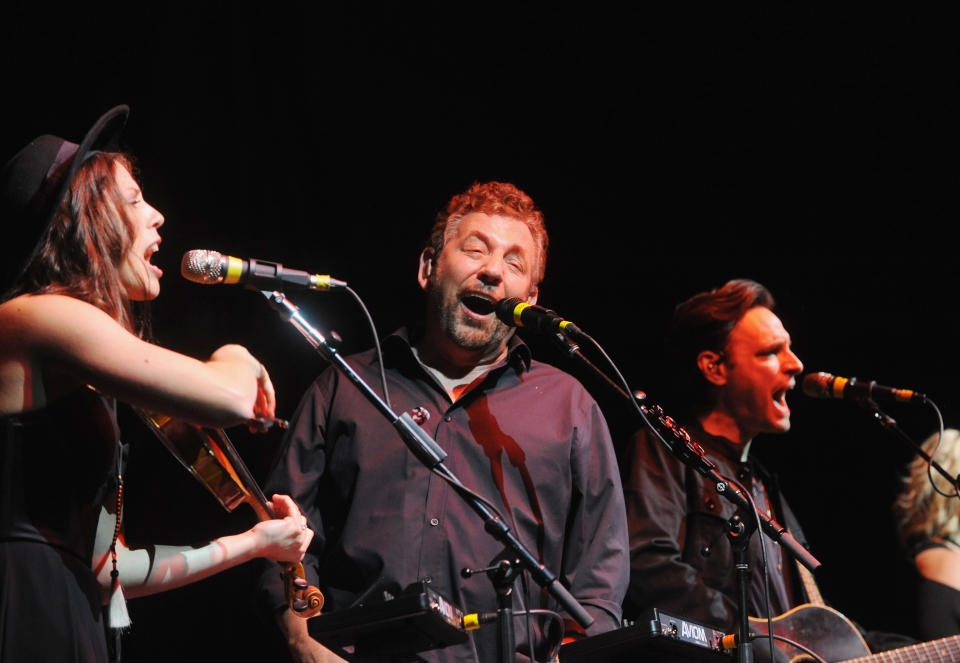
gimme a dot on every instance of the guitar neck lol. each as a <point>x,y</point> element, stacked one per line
<point>944,650</point>
<point>810,585</point>
<point>812,628</point>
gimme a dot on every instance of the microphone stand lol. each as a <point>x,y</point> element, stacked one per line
<point>890,425</point>
<point>428,452</point>
<point>693,455</point>
<point>502,574</point>
<point>680,445</point>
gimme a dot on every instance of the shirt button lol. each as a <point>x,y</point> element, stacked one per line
<point>434,522</point>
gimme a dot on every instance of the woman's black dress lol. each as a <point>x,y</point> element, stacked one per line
<point>56,467</point>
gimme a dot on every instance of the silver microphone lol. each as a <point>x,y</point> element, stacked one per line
<point>211,267</point>
<point>202,266</point>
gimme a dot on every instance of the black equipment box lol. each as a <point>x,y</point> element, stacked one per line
<point>417,620</point>
<point>659,639</point>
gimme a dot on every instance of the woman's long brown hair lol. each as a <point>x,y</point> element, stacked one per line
<point>84,245</point>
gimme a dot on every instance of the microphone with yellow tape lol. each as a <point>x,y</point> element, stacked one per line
<point>517,313</point>
<point>825,385</point>
<point>212,267</point>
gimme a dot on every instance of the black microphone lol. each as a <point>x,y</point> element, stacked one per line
<point>824,385</point>
<point>517,313</point>
<point>209,267</point>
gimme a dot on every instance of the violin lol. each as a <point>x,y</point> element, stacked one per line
<point>210,457</point>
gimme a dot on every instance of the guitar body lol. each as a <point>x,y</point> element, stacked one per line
<point>819,628</point>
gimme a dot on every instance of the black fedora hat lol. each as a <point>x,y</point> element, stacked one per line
<point>34,183</point>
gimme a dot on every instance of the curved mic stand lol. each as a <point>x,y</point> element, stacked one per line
<point>679,443</point>
<point>889,424</point>
<point>684,448</point>
<point>432,456</point>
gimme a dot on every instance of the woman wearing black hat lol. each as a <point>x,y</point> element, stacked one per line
<point>82,237</point>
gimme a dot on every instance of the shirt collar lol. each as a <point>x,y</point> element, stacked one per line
<point>397,347</point>
<point>713,443</point>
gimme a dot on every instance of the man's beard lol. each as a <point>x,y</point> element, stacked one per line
<point>465,332</point>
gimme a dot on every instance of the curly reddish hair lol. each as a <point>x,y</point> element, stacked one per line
<point>493,198</point>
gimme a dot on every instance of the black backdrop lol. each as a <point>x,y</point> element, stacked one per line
<point>671,147</point>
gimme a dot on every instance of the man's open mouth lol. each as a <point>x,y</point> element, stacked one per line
<point>780,397</point>
<point>479,304</point>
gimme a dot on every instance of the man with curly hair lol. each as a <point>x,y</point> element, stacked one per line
<point>525,435</point>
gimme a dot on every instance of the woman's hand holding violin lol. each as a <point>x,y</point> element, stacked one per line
<point>286,538</point>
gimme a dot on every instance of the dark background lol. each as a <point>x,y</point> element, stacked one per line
<point>671,147</point>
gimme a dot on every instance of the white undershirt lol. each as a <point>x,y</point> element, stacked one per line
<point>455,386</point>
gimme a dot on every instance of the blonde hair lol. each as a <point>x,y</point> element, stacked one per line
<point>920,511</point>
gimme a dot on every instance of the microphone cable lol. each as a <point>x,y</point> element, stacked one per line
<point>763,558</point>
<point>933,454</point>
<point>376,344</point>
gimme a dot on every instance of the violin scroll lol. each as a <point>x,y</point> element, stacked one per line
<point>210,456</point>
<point>304,599</point>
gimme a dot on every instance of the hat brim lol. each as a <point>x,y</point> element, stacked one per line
<point>29,230</point>
<point>104,135</point>
<point>105,132</point>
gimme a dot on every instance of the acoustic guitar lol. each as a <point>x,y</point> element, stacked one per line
<point>814,625</point>
<point>834,638</point>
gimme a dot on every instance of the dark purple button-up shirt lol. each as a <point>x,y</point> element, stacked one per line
<point>528,438</point>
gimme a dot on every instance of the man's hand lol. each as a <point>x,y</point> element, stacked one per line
<point>303,648</point>
<point>313,652</point>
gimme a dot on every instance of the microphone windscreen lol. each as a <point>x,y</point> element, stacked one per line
<point>505,310</point>
<point>203,266</point>
<point>818,385</point>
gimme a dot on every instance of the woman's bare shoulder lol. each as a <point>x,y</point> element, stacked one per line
<point>32,328</point>
<point>31,303</point>
<point>941,565</point>
<point>37,312</point>
<point>57,328</point>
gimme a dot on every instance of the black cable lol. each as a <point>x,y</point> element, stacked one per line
<point>793,643</point>
<point>933,454</point>
<point>523,606</point>
<point>462,489</point>
<point>763,560</point>
<point>376,343</point>
<point>555,616</point>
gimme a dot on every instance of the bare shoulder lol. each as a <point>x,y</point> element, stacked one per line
<point>35,319</point>
<point>35,329</point>
<point>62,334</point>
<point>39,306</point>
<point>940,565</point>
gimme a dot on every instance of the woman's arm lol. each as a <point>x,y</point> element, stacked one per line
<point>55,339</point>
<point>150,569</point>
